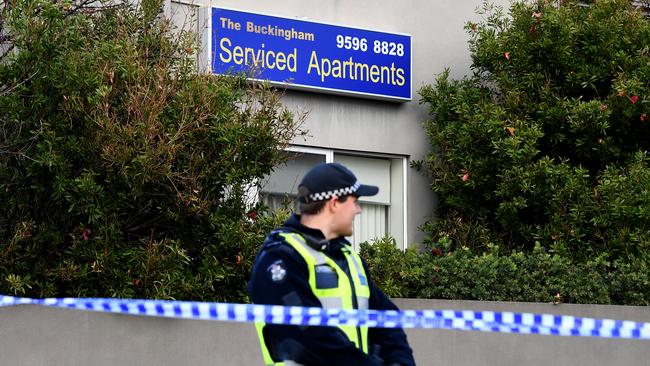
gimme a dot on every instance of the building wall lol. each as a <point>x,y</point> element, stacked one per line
<point>38,336</point>
<point>348,123</point>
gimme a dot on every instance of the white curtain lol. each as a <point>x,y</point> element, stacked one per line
<point>369,224</point>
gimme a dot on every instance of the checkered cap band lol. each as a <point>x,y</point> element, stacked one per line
<point>322,196</point>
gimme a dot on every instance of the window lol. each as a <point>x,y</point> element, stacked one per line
<point>281,187</point>
<point>382,214</point>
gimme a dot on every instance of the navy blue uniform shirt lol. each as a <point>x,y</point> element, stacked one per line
<point>280,277</point>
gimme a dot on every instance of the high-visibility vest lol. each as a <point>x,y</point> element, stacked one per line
<point>351,292</point>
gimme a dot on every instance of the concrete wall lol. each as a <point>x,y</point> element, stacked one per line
<point>38,336</point>
<point>347,123</point>
<point>459,348</point>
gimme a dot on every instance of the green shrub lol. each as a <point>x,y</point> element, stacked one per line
<point>399,273</point>
<point>547,141</point>
<point>124,172</point>
<point>534,276</point>
<point>540,161</point>
<point>630,282</point>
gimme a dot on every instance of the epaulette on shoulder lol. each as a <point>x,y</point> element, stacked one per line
<point>274,238</point>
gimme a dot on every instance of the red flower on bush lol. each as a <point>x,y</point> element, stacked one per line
<point>506,55</point>
<point>436,252</point>
<point>643,117</point>
<point>85,234</point>
<point>634,98</point>
<point>252,215</point>
<point>465,177</point>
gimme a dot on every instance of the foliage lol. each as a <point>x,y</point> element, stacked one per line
<point>537,275</point>
<point>547,141</point>
<point>124,172</point>
<point>398,273</point>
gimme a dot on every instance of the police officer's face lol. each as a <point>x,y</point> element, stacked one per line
<point>346,211</point>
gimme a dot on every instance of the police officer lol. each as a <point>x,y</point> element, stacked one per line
<point>308,262</point>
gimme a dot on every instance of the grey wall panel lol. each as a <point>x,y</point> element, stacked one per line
<point>460,348</point>
<point>40,336</point>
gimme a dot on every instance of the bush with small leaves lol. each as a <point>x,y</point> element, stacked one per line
<point>547,141</point>
<point>533,276</point>
<point>123,171</point>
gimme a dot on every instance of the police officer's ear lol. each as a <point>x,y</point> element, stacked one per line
<point>332,204</point>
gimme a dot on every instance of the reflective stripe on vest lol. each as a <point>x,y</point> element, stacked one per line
<point>342,296</point>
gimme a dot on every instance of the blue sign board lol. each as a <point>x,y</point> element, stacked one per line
<point>309,55</point>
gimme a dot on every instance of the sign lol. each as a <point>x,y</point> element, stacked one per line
<point>310,55</point>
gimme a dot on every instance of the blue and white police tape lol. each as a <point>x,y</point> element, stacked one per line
<point>485,321</point>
